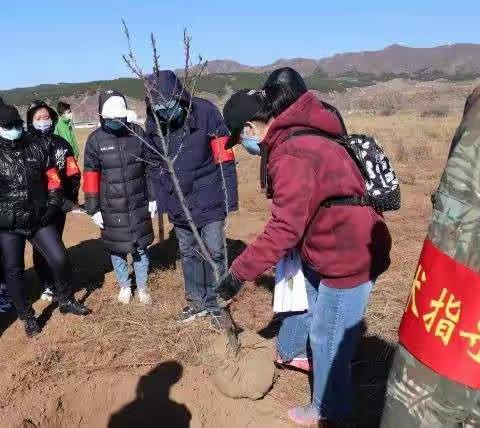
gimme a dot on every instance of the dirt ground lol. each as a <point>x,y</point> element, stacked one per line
<point>134,367</point>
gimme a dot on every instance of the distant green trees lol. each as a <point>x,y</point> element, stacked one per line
<point>220,84</point>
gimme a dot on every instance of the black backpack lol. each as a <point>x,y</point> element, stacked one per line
<point>381,182</point>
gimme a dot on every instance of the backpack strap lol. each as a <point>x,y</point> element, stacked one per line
<point>319,132</point>
<point>361,201</point>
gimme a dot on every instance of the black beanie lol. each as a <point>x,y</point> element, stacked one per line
<point>9,115</point>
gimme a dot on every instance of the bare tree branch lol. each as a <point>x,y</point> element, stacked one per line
<point>132,64</point>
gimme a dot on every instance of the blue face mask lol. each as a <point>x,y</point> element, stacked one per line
<point>251,144</point>
<point>114,124</point>
<point>11,134</point>
<point>169,112</point>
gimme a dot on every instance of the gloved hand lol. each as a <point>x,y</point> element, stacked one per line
<point>229,286</point>
<point>152,208</point>
<point>98,219</point>
<point>49,215</point>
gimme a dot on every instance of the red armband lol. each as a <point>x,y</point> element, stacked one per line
<point>220,153</point>
<point>71,166</point>
<point>53,179</point>
<point>91,182</point>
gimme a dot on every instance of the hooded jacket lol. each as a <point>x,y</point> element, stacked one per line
<point>201,157</point>
<point>346,245</point>
<point>115,183</point>
<point>60,152</point>
<point>29,184</point>
<point>64,129</point>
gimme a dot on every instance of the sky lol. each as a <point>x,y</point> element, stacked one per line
<point>75,41</point>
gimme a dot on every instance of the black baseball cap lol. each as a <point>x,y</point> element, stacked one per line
<point>239,109</point>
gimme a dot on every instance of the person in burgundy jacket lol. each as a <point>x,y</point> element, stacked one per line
<point>343,248</point>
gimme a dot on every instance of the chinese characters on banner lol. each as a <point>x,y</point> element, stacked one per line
<point>441,323</point>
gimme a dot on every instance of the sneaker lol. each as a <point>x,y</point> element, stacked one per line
<point>305,416</point>
<point>144,296</point>
<point>71,306</point>
<point>298,363</point>
<point>220,320</point>
<point>47,295</point>
<point>125,295</point>
<point>190,314</point>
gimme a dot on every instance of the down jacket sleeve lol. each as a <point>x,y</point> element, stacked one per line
<point>224,158</point>
<point>54,183</point>
<point>91,176</point>
<point>293,181</point>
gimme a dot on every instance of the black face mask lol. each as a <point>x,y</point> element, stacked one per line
<point>116,126</point>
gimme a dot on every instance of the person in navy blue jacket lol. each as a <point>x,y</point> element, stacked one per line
<point>198,141</point>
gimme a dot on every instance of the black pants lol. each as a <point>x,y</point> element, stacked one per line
<point>44,272</point>
<point>48,243</point>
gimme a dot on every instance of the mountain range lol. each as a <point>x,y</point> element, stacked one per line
<point>454,59</point>
<point>456,62</point>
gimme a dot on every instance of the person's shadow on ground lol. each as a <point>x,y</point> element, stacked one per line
<point>153,406</point>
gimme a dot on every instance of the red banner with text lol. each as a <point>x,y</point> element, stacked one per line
<point>441,324</point>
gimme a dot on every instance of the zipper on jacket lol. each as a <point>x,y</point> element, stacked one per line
<point>122,168</point>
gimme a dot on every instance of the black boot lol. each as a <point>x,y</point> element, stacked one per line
<point>31,325</point>
<point>71,306</point>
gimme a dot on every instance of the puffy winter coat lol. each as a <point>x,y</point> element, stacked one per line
<point>29,183</point>
<point>60,152</point>
<point>346,245</point>
<point>115,183</point>
<point>200,161</point>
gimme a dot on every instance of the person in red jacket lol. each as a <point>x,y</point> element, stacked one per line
<point>343,248</point>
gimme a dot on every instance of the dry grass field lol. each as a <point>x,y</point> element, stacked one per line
<point>133,366</point>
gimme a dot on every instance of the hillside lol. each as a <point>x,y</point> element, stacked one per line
<point>216,85</point>
<point>450,60</point>
<point>460,62</point>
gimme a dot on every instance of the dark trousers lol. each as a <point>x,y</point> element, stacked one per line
<point>48,243</point>
<point>44,272</point>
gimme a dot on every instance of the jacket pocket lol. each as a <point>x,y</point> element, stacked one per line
<point>208,192</point>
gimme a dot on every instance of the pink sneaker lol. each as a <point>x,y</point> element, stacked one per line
<point>299,363</point>
<point>305,416</point>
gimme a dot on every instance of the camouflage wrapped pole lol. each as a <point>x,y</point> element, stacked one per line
<point>435,377</point>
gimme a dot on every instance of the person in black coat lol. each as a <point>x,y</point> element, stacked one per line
<point>41,121</point>
<point>117,192</point>
<point>30,198</point>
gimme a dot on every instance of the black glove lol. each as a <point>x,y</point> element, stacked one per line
<point>229,286</point>
<point>49,216</point>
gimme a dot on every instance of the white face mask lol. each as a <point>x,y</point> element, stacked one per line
<point>42,125</point>
<point>11,134</point>
<point>68,116</point>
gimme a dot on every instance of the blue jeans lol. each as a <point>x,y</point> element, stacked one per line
<point>198,275</point>
<point>140,266</point>
<point>330,331</point>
